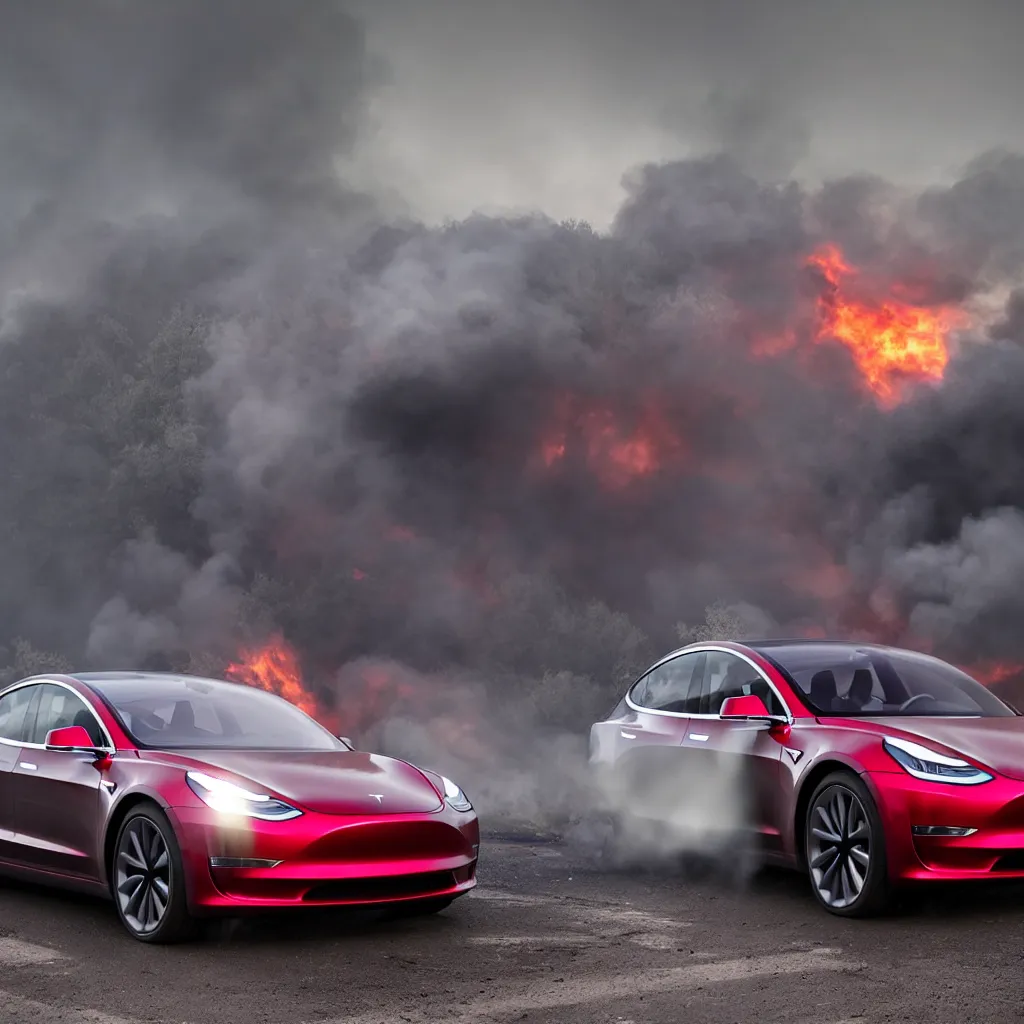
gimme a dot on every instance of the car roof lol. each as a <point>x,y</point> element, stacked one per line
<point>96,677</point>
<point>776,649</point>
<point>119,682</point>
<point>777,644</point>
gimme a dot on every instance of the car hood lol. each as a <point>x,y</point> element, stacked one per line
<point>328,782</point>
<point>995,742</point>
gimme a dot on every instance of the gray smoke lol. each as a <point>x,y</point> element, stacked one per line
<point>545,106</point>
<point>476,473</point>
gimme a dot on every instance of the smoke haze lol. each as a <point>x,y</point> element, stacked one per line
<point>545,106</point>
<point>281,352</point>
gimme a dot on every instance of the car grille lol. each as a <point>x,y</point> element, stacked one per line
<point>389,840</point>
<point>391,887</point>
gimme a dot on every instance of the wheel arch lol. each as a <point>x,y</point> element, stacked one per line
<point>818,771</point>
<point>121,810</point>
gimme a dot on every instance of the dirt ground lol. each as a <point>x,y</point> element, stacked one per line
<point>545,938</point>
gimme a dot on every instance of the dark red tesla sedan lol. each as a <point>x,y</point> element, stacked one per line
<point>183,797</point>
<point>865,766</point>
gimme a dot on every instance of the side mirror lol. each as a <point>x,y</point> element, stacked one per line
<point>750,706</point>
<point>75,739</point>
<point>348,743</point>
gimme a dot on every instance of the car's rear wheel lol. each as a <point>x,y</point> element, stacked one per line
<point>844,845</point>
<point>148,878</point>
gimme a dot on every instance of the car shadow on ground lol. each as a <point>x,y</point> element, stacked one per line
<point>76,910</point>
<point>84,913</point>
<point>966,904</point>
<point>966,901</point>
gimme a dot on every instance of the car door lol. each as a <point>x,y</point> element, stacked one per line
<point>649,736</point>
<point>56,812</point>
<point>739,763</point>
<point>17,711</point>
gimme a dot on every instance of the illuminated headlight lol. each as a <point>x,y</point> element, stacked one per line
<point>932,766</point>
<point>455,797</point>
<point>228,798</point>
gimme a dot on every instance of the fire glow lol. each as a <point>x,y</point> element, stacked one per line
<point>274,667</point>
<point>891,341</point>
<point>992,673</point>
<point>616,452</point>
<point>623,442</point>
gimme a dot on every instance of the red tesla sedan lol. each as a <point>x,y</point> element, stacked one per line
<point>183,797</point>
<point>865,766</point>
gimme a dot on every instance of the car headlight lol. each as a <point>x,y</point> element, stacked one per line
<point>228,798</point>
<point>932,766</point>
<point>455,797</point>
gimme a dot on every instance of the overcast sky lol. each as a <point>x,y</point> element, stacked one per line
<point>545,104</point>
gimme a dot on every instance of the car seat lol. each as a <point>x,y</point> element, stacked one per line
<point>824,692</point>
<point>861,685</point>
<point>183,718</point>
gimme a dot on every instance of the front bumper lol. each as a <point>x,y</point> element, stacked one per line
<point>324,860</point>
<point>995,810</point>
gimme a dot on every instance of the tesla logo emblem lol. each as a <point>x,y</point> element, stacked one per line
<point>379,797</point>
<point>794,754</point>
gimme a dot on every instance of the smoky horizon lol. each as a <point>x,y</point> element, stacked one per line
<point>441,374</point>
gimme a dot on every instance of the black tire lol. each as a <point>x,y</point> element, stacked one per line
<point>834,868</point>
<point>160,879</point>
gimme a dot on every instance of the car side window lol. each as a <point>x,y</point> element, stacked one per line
<point>59,708</point>
<point>14,714</point>
<point>672,686</point>
<point>638,691</point>
<point>726,675</point>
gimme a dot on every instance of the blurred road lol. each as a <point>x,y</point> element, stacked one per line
<point>543,939</point>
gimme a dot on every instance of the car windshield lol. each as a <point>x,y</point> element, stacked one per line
<point>181,713</point>
<point>870,682</point>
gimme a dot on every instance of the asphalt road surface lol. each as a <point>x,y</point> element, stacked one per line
<point>543,939</point>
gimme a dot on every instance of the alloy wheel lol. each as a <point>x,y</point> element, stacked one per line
<point>839,846</point>
<point>143,882</point>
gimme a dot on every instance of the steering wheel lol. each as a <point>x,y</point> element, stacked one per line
<point>150,723</point>
<point>917,696</point>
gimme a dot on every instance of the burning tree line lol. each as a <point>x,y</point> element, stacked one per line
<point>220,490</point>
<point>245,418</point>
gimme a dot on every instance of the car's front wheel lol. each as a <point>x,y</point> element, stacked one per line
<point>845,847</point>
<point>148,878</point>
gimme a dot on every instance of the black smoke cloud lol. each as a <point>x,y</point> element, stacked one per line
<point>237,399</point>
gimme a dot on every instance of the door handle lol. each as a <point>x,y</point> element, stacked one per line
<point>700,737</point>
<point>27,766</point>
<point>627,735</point>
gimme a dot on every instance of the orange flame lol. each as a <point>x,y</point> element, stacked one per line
<point>615,453</point>
<point>274,667</point>
<point>889,341</point>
